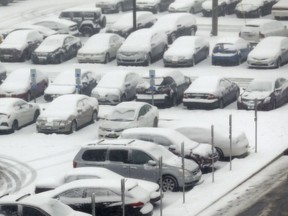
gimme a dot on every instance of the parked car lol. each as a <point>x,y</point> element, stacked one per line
<point>186,51</point>
<point>4,2</point>
<point>255,30</point>
<point>201,133</point>
<point>50,183</point>
<point>3,73</point>
<point>189,6</point>
<point>210,92</point>
<point>18,45</point>
<point>280,10</point>
<point>168,89</point>
<point>175,25</point>
<point>144,157</point>
<point>100,48</point>
<point>67,113</point>
<point>142,47</point>
<point>230,50</point>
<point>115,87</point>
<point>124,25</point>
<point>269,93</point>
<point>56,49</point>
<point>154,6</point>
<point>108,197</point>
<point>31,205</point>
<point>16,113</point>
<point>275,58</point>
<point>65,83</point>
<point>255,8</point>
<point>128,115</point>
<point>61,26</point>
<point>89,20</point>
<point>114,5</point>
<point>19,84</point>
<point>202,154</point>
<point>224,7</point>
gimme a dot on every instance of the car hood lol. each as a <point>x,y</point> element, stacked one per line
<point>116,125</point>
<point>92,50</point>
<point>177,162</point>
<point>103,92</point>
<point>14,88</point>
<point>246,7</point>
<point>263,54</point>
<point>60,90</point>
<point>187,52</point>
<point>45,49</point>
<point>18,46</point>
<point>255,95</point>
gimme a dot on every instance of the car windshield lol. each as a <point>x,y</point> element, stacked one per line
<point>260,86</point>
<point>52,41</point>
<point>158,80</point>
<point>224,48</point>
<point>122,114</point>
<point>15,37</point>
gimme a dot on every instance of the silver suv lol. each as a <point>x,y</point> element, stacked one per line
<point>139,159</point>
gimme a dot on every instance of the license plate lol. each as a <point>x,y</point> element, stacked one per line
<point>251,107</point>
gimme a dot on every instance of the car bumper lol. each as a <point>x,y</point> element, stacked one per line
<point>200,103</point>
<point>225,60</point>
<point>96,59</point>
<point>157,98</point>
<point>131,61</point>
<point>10,57</point>
<point>145,7</point>
<point>250,105</point>
<point>109,133</point>
<point>176,62</point>
<point>246,14</point>
<point>22,96</point>
<point>47,128</point>
<point>261,64</point>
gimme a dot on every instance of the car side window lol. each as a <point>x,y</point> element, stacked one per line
<point>11,210</point>
<point>162,141</point>
<point>101,194</point>
<point>147,108</point>
<point>118,155</point>
<point>139,157</point>
<point>73,193</point>
<point>142,111</point>
<point>27,210</point>
<point>278,84</point>
<point>94,155</point>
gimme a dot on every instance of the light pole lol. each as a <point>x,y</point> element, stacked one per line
<point>134,15</point>
<point>214,18</point>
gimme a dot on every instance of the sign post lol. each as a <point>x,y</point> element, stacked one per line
<point>161,185</point>
<point>213,146</point>
<point>78,80</point>
<point>183,169</point>
<point>255,119</point>
<point>152,83</point>
<point>33,82</point>
<point>123,196</point>
<point>230,138</point>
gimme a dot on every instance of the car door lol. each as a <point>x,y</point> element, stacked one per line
<point>119,161</point>
<point>279,95</point>
<point>23,113</point>
<point>284,50</point>
<point>225,90</point>
<point>32,211</point>
<point>113,46</point>
<point>87,110</point>
<point>73,198</point>
<point>81,113</point>
<point>156,46</point>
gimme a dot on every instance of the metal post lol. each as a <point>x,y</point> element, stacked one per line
<point>123,196</point>
<point>212,141</point>
<point>134,16</point>
<point>153,96</point>
<point>161,185</point>
<point>93,204</point>
<point>255,119</point>
<point>183,169</point>
<point>214,18</point>
<point>230,138</point>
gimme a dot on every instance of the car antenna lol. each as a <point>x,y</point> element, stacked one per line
<point>131,141</point>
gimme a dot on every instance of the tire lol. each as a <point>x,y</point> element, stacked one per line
<point>73,127</point>
<point>259,12</point>
<point>60,59</point>
<point>193,32</point>
<point>123,98</point>
<point>273,105</point>
<point>169,183</point>
<point>239,62</point>
<point>193,63</point>
<point>237,95</point>
<point>24,56</point>
<point>155,122</point>
<point>107,58</point>
<point>94,117</point>
<point>86,31</point>
<point>28,97</point>
<point>220,104</point>
<point>174,100</point>
<point>192,11</point>
<point>278,63</point>
<point>220,153</point>
<point>148,60</point>
<point>15,126</point>
<point>156,9</point>
<point>172,38</point>
<point>119,8</point>
<point>36,114</point>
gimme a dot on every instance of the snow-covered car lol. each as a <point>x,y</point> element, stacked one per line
<point>90,20</point>
<point>100,48</point>
<point>154,6</point>
<point>275,58</point>
<point>128,115</point>
<point>108,197</point>
<point>255,30</point>
<point>16,113</point>
<point>224,7</point>
<point>4,2</point>
<point>269,93</point>
<point>18,45</point>
<point>116,86</point>
<point>144,157</point>
<point>19,84</point>
<point>56,49</point>
<point>202,153</point>
<point>189,6</point>
<point>142,47</point>
<point>255,8</point>
<point>201,133</point>
<point>280,10</point>
<point>124,25</point>
<point>175,25</point>
<point>50,183</point>
<point>210,92</point>
<point>114,5</point>
<point>3,73</point>
<point>230,51</point>
<point>186,51</point>
<point>61,26</point>
<point>168,89</point>
<point>65,83</point>
<point>67,114</point>
<point>31,205</point>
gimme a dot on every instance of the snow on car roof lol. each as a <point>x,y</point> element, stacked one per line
<point>236,42</point>
<point>177,75</point>
<point>97,171</point>
<point>125,20</point>
<point>18,36</point>
<point>6,104</point>
<point>130,104</point>
<point>140,38</point>
<point>281,4</point>
<point>258,22</point>
<point>84,9</point>
<point>112,79</point>
<point>57,20</point>
<point>204,84</point>
<point>169,21</point>
<point>272,43</point>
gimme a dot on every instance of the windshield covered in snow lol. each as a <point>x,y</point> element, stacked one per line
<point>260,86</point>
<point>224,48</point>
<point>122,114</point>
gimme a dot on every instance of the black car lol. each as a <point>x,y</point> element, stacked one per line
<point>154,6</point>
<point>269,94</point>
<point>56,49</point>
<point>168,89</point>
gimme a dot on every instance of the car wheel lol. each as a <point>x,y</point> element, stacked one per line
<point>193,32</point>
<point>237,95</point>
<point>73,127</point>
<point>273,105</point>
<point>239,61</point>
<point>169,183</point>
<point>258,14</point>
<point>156,9</point>
<point>220,104</point>
<point>193,61</point>
<point>36,114</point>
<point>24,56</point>
<point>192,10</point>
<point>173,37</point>
<point>220,153</point>
<point>87,31</point>
<point>148,60</point>
<point>278,63</point>
<point>174,100</point>
<point>119,8</point>
<point>15,126</point>
<point>94,117</point>
<point>123,98</point>
<point>155,122</point>
<point>28,97</point>
<point>60,58</point>
<point>107,58</point>
<point>207,53</point>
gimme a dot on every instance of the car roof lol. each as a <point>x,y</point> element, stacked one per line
<point>177,75</point>
<point>259,21</point>
<point>82,9</point>
<point>70,97</point>
<point>57,20</point>
<point>231,40</point>
<point>131,104</point>
<point>98,171</point>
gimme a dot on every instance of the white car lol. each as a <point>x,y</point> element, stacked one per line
<point>114,5</point>
<point>255,8</point>
<point>128,115</point>
<point>50,183</point>
<point>280,9</point>
<point>275,58</point>
<point>189,6</point>
<point>100,48</point>
<point>116,86</point>
<point>16,113</point>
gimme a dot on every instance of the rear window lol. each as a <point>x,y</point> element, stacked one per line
<point>65,14</point>
<point>9,210</point>
<point>94,155</point>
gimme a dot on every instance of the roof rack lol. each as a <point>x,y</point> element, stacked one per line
<point>119,144</point>
<point>23,197</point>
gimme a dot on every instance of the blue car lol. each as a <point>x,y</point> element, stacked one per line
<point>230,51</point>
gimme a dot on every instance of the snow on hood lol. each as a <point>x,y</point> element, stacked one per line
<point>248,5</point>
<point>203,150</point>
<point>60,89</point>
<point>17,82</point>
<point>180,4</point>
<point>181,48</point>
<point>207,5</point>
<point>104,92</point>
<point>204,84</point>
<point>50,44</point>
<point>18,45</point>
<point>273,44</point>
<point>117,125</point>
<point>96,44</point>
<point>281,4</point>
<point>255,95</point>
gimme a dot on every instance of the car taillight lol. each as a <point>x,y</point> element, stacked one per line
<point>74,164</point>
<point>136,205</point>
<point>210,96</point>
<point>261,35</point>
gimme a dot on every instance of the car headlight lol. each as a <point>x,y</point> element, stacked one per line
<point>168,57</point>
<point>99,54</point>
<point>267,100</point>
<point>113,97</point>
<point>186,173</point>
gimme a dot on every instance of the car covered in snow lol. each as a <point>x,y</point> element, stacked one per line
<point>280,10</point>
<point>65,83</point>
<point>144,157</point>
<point>210,92</point>
<point>114,5</point>
<point>175,25</point>
<point>3,73</point>
<point>124,25</point>
<point>116,86</point>
<point>275,58</point>
<point>19,84</point>
<point>128,115</point>
<point>155,6</point>
<point>67,114</point>
<point>224,7</point>
<point>189,6</point>
<point>268,93</point>
<point>50,183</point>
<point>255,8</point>
<point>168,89</point>
<point>186,51</point>
<point>56,49</point>
<point>142,47</point>
<point>100,48</point>
<point>16,113</point>
<point>230,51</point>
<point>18,45</point>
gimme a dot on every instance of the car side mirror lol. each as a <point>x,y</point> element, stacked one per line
<point>152,163</point>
